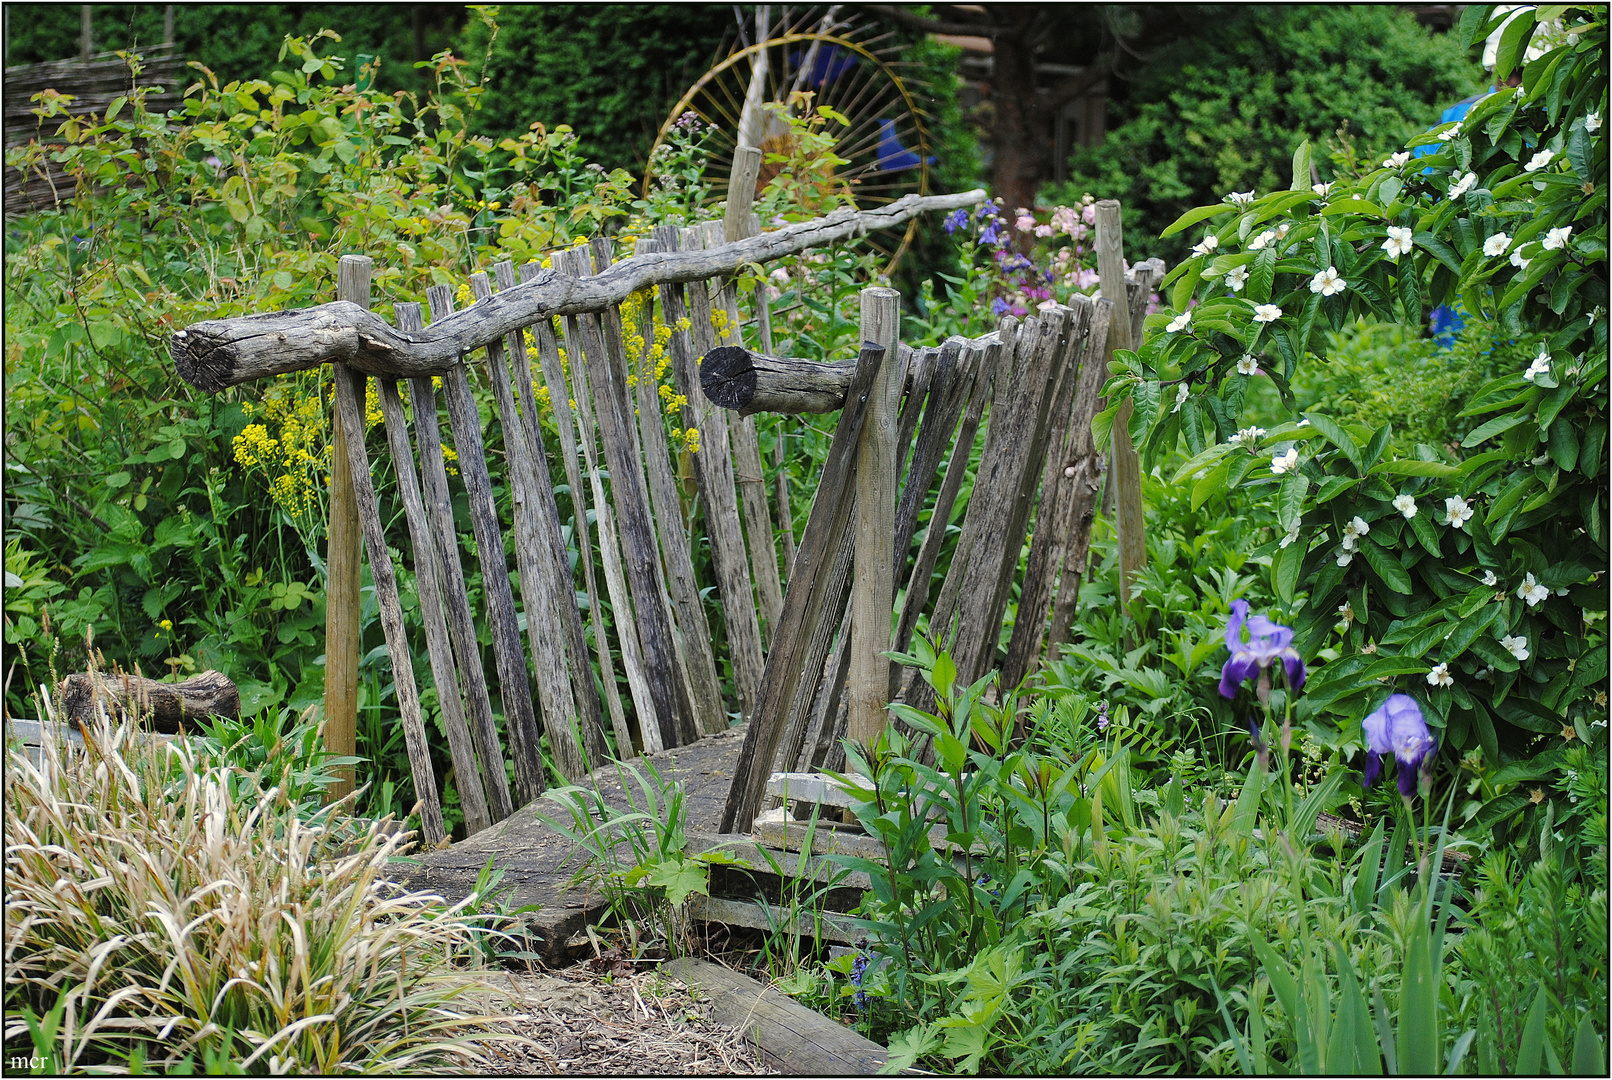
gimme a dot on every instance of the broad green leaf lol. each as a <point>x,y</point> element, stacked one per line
<point>1193,216</point>
<point>1418,1036</point>
<point>1587,1057</point>
<point>1412,467</point>
<point>1290,498</point>
<point>1531,1053</point>
<point>1513,42</point>
<point>1246,811</point>
<point>1337,436</point>
<point>1286,566</point>
<point>1430,243</point>
<point>1494,427</point>
<point>1301,167</point>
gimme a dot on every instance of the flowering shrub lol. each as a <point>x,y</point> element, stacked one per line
<point>1463,575</point>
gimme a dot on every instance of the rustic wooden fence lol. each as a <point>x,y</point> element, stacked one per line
<point>808,662</point>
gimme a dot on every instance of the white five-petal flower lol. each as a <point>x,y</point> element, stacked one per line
<point>1267,313</point>
<point>1181,392</point>
<point>1532,591</point>
<point>1345,558</point>
<point>1440,676</point>
<point>1247,364</point>
<point>1180,322</point>
<point>1406,505</point>
<point>1449,133</point>
<point>1327,282</point>
<point>1457,511</point>
<point>1396,160</point>
<point>1322,189</point>
<point>1496,244</point>
<point>1237,278</point>
<point>1241,198</point>
<point>1262,240</point>
<point>1518,261</point>
<point>1461,185</point>
<point>1209,242</point>
<point>1516,646</point>
<point>1248,436</point>
<point>1556,238</point>
<point>1540,366</point>
<point>1539,161</point>
<point>1281,463</point>
<point>1489,578</point>
<point>1592,121</point>
<point>1398,242</point>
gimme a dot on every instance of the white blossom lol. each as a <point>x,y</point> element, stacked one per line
<point>1532,591</point>
<point>1236,278</point>
<point>1282,230</point>
<point>1556,238</point>
<point>1248,436</point>
<point>1449,133</point>
<point>1496,244</point>
<point>1540,460</point>
<point>1440,676</point>
<point>1518,261</point>
<point>1592,121</point>
<point>1398,242</point>
<point>1539,161</point>
<point>1345,558</point>
<point>1241,198</point>
<point>1489,578</point>
<point>1263,240</point>
<point>1457,511</point>
<point>1540,366</point>
<point>1321,189</point>
<point>1281,463</point>
<point>1461,185</point>
<point>1516,646</point>
<point>1292,535</point>
<point>1209,242</point>
<point>1267,313</point>
<point>1180,397</point>
<point>1396,160</point>
<point>1327,282</point>
<point>1180,322</point>
<point>1406,505</point>
<point>1247,364</point>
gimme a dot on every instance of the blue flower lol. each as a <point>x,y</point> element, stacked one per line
<point>1000,306</point>
<point>991,234</point>
<point>957,219</point>
<point>986,210</point>
<point>1397,728</point>
<point>1267,642</point>
<point>859,968</point>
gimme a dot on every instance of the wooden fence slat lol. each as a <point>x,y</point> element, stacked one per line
<point>461,621</point>
<point>576,736</point>
<point>553,373</point>
<point>748,471</point>
<point>713,472</point>
<point>343,605</point>
<point>606,370</point>
<point>826,525</point>
<point>348,389</point>
<point>515,690</point>
<point>1063,479</point>
<point>694,632</point>
<point>575,263</point>
<point>472,794</point>
<point>1124,467</point>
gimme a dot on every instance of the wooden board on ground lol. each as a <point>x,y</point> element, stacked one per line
<point>797,1040</point>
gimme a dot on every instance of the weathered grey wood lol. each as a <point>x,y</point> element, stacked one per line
<point>520,719</point>
<point>873,593</point>
<point>694,632</point>
<point>741,194</point>
<point>576,263</point>
<point>607,378</point>
<point>1124,467</point>
<point>350,386</point>
<point>750,475</point>
<point>1067,487</point>
<point>759,915</point>
<point>713,472</point>
<point>749,382</point>
<point>220,353</point>
<point>343,604</point>
<point>826,526</point>
<point>553,373</point>
<point>456,597</point>
<point>427,579</point>
<point>795,1040</point>
<point>980,358</point>
<point>167,707</point>
<point>565,674</point>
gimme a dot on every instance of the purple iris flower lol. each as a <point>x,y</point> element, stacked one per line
<point>1000,306</point>
<point>957,219</point>
<point>1397,728</point>
<point>1267,642</point>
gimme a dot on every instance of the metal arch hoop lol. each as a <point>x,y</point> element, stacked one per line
<point>921,132</point>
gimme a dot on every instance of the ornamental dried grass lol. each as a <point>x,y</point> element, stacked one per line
<point>168,924</point>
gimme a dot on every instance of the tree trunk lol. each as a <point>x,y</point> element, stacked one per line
<point>1019,166</point>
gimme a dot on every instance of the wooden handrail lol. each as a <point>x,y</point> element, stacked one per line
<point>217,354</point>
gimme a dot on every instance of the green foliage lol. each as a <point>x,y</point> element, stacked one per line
<point>1220,110</point>
<point>1475,583</point>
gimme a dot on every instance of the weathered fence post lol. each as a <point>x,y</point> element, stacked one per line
<point>342,603</point>
<point>1124,467</point>
<point>873,589</point>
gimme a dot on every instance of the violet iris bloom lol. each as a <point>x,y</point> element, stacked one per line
<point>1397,728</point>
<point>1267,642</point>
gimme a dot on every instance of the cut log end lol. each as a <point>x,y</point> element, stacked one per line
<point>728,377</point>
<point>203,361</point>
<point>168,707</point>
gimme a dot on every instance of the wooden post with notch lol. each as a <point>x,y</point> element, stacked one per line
<point>343,611</point>
<point>1124,467</point>
<point>873,590</point>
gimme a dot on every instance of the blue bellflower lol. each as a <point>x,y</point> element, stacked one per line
<point>1267,642</point>
<point>1397,729</point>
<point>957,219</point>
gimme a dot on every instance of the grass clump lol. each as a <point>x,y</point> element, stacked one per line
<point>162,915</point>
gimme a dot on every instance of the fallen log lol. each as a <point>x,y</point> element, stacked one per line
<point>167,707</point>
<point>217,354</point>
